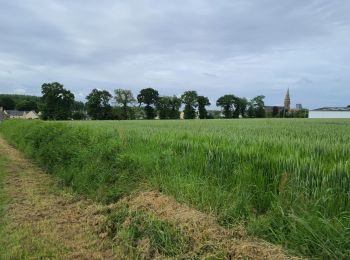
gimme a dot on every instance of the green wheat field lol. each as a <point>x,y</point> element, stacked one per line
<point>286,180</point>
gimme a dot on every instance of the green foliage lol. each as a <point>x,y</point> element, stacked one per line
<point>57,102</point>
<point>241,107</point>
<point>189,98</point>
<point>20,98</point>
<point>214,114</point>
<point>308,233</point>
<point>256,107</point>
<point>302,113</point>
<point>97,104</point>
<point>124,98</point>
<point>149,97</point>
<point>123,113</point>
<point>78,115</point>
<point>24,102</point>
<point>7,103</point>
<point>79,106</point>
<point>288,180</point>
<point>202,103</point>
<point>79,111</point>
<point>227,103</point>
<point>168,107</point>
<point>232,106</point>
<point>27,105</point>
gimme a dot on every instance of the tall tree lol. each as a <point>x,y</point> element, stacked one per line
<point>124,97</point>
<point>163,106</point>
<point>149,97</point>
<point>7,103</point>
<point>256,107</point>
<point>168,107</point>
<point>189,98</point>
<point>202,103</point>
<point>240,107</point>
<point>227,103</point>
<point>57,102</point>
<point>98,106</point>
<point>175,104</point>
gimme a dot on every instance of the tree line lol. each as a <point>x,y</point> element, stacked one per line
<point>59,103</point>
<point>19,102</point>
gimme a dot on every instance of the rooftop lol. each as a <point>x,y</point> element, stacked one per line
<point>14,112</point>
<point>332,109</point>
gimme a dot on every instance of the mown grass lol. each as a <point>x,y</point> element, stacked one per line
<point>3,195</point>
<point>20,242</point>
<point>288,180</point>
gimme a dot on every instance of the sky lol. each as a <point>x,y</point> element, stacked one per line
<point>241,47</point>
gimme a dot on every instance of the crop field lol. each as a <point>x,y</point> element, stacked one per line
<point>286,180</point>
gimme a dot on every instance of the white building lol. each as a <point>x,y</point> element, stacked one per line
<point>330,112</point>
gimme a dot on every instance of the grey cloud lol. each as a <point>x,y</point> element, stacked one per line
<point>247,47</point>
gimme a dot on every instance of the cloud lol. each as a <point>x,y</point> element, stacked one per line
<point>244,47</point>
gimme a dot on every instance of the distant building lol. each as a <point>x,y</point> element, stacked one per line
<point>298,106</point>
<point>30,115</point>
<point>270,109</point>
<point>287,101</point>
<point>14,113</point>
<point>286,110</point>
<point>330,112</point>
<point>21,114</point>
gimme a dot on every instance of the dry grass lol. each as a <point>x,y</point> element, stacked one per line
<point>209,239</point>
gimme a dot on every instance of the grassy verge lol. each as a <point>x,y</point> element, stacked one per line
<point>20,241</point>
<point>287,180</point>
<point>3,196</point>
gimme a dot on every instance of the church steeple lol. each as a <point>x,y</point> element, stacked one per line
<point>287,101</point>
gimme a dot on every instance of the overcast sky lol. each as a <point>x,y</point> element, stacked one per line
<point>243,47</point>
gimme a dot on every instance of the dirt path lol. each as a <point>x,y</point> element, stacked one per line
<point>46,218</point>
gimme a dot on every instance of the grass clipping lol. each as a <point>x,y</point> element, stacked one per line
<point>151,225</point>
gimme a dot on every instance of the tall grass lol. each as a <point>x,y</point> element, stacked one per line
<point>288,180</point>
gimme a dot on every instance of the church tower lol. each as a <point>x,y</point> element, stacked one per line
<point>287,101</point>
